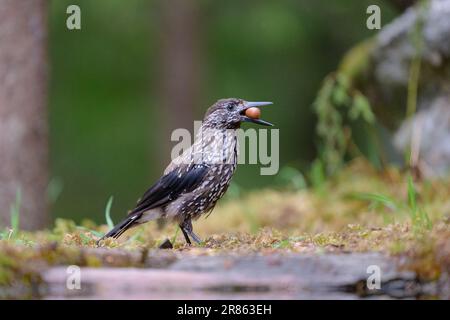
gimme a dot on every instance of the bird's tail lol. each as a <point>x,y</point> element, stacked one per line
<point>127,223</point>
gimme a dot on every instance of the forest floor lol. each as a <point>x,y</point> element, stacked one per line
<point>316,242</point>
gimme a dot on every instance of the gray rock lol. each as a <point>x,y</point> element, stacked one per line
<point>391,61</point>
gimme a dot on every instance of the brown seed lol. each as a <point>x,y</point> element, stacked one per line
<point>253,112</point>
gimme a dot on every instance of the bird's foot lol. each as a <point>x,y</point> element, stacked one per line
<point>99,242</point>
<point>189,234</point>
<point>195,237</point>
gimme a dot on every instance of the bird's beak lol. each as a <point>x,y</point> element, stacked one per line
<point>247,105</point>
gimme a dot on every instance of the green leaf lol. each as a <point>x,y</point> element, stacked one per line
<point>340,96</point>
<point>361,108</point>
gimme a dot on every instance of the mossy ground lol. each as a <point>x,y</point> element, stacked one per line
<point>359,210</point>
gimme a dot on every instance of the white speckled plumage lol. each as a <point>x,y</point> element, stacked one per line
<point>194,182</point>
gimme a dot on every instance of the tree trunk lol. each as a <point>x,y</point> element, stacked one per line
<point>180,81</point>
<point>23,114</point>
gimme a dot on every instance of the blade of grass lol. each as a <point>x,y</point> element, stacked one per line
<point>95,233</point>
<point>15,213</point>
<point>377,198</point>
<point>109,221</point>
<point>412,197</point>
<point>174,238</point>
<point>425,219</point>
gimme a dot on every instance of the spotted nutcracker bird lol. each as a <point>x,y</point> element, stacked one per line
<point>194,182</point>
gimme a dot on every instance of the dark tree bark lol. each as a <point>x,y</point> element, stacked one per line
<point>180,70</point>
<point>23,114</point>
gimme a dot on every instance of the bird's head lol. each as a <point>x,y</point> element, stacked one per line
<point>230,113</point>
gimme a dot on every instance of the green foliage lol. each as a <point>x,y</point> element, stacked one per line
<point>329,126</point>
<point>360,108</point>
<point>337,106</point>
<point>419,217</point>
<point>317,174</point>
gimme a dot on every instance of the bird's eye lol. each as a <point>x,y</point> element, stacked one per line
<point>231,106</point>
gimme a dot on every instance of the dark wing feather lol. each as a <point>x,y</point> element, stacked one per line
<point>167,188</point>
<point>170,186</point>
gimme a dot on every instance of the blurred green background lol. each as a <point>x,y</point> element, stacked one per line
<point>109,135</point>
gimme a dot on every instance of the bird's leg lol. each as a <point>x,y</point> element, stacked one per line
<point>186,227</point>
<point>188,241</point>
<point>195,237</point>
